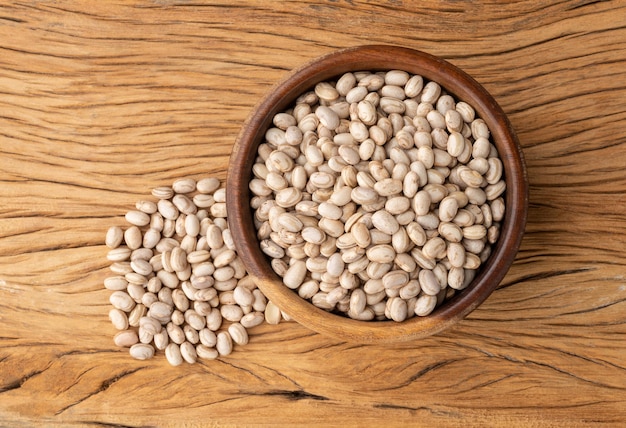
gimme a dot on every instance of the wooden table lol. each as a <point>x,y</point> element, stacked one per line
<point>102,102</point>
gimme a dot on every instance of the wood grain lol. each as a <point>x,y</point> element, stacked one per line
<point>100,102</point>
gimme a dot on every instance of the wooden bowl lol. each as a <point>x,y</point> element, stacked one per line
<point>376,58</point>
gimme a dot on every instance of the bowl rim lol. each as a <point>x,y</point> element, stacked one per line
<point>377,58</point>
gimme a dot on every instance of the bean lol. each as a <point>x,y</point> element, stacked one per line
<point>137,218</point>
<point>122,301</point>
<point>425,304</point>
<point>224,345</point>
<point>114,237</point>
<point>118,319</point>
<point>208,185</point>
<point>184,185</point>
<point>141,351</point>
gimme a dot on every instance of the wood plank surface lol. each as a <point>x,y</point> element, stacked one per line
<point>102,101</point>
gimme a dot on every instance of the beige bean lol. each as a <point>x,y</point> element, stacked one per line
<point>114,237</point>
<point>137,218</point>
<point>206,352</point>
<point>480,129</point>
<point>397,205</point>
<point>361,235</point>
<point>161,311</point>
<point>272,249</point>
<point>141,351</point>
<point>410,290</point>
<point>231,313</point>
<point>115,283</point>
<point>214,320</point>
<point>456,254</point>
<point>118,319</point>
<point>436,192</point>
<point>334,296</point>
<point>430,92</point>
<point>364,195</point>
<point>382,253</point>
<point>493,233</point>
<point>148,299</point>
<point>395,279</point>
<point>142,267</point>
<point>466,111</point>
<point>379,237</point>
<point>476,196</point>
<point>173,354</point>
<point>472,261</point>
<point>272,313</point>
<point>391,105</point>
<point>151,238</point>
<point>454,121</point>
<point>413,86</point>
<point>397,309</point>
<point>470,177</point>
<point>421,202</point>
<point>429,221</point>
<point>175,333</point>
<point>149,324</point>
<point>163,192</point>
<point>405,262</point>
<point>494,191</point>
<point>481,148</point>
<point>288,197</point>
<point>330,210</point>
<point>295,274</point>
<point>400,241</point>
<point>477,231</point>
<point>133,237</point>
<point>252,319</point>
<point>119,254</point>
<point>184,185</point>
<point>188,352</point>
<point>388,187</point>
<point>161,340</point>
<point>385,222</point>
<point>126,338</point>
<point>218,210</point>
<point>416,233</point>
<point>341,197</point>
<point>321,180</point>
<point>422,261</point>
<point>122,301</point>
<point>450,231</point>
<point>208,185</point>
<point>366,111</point>
<point>425,304</point>
<point>325,91</point>
<point>448,208</point>
<point>334,228</point>
<point>497,209</point>
<point>345,83</point>
<point>238,333</point>
<point>203,201</point>
<point>350,153</point>
<point>456,278</point>
<point>316,264</point>
<point>456,144</point>
<point>436,120</point>
<point>434,248</point>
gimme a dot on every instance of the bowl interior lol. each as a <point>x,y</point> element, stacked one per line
<point>377,58</point>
